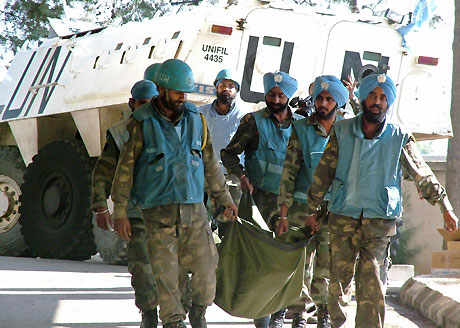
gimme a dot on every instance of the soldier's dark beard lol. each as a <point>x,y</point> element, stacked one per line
<point>225,98</point>
<point>176,107</point>
<point>378,117</point>
<point>276,108</point>
<point>324,115</point>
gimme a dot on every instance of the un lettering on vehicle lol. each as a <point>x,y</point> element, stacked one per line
<point>45,71</point>
<point>205,89</point>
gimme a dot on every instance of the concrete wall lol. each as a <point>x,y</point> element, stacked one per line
<point>424,218</point>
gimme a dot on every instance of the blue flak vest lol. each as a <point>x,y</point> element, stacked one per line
<point>170,167</point>
<point>265,165</point>
<point>312,146</point>
<point>368,175</point>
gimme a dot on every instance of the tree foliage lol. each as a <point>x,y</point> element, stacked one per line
<point>27,19</point>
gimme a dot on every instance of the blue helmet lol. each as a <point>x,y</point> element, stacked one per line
<point>149,73</point>
<point>226,74</point>
<point>144,89</point>
<point>176,75</point>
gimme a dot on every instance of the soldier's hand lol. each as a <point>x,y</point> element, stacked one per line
<point>123,228</point>
<point>450,221</point>
<point>350,84</point>
<point>103,220</point>
<point>246,185</point>
<point>311,222</point>
<point>231,212</point>
<point>283,226</point>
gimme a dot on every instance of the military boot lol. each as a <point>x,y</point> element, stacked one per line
<point>324,321</point>
<point>262,322</point>
<point>277,319</point>
<point>299,320</point>
<point>196,316</point>
<point>176,324</point>
<point>149,319</point>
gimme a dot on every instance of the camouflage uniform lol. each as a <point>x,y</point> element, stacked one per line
<point>364,237</point>
<point>178,235</point>
<point>138,260</point>
<point>246,139</point>
<point>319,246</point>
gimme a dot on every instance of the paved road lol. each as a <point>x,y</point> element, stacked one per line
<point>40,293</point>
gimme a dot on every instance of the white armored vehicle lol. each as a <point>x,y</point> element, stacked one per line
<point>57,101</point>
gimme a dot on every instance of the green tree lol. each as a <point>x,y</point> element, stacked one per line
<point>27,19</point>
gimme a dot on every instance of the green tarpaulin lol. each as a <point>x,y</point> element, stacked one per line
<point>259,274</point>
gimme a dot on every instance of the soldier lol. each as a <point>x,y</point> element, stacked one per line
<point>306,145</point>
<point>138,261</point>
<point>223,116</point>
<point>362,162</point>
<point>162,169</point>
<point>263,137</point>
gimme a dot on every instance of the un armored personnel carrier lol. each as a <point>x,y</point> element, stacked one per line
<point>57,100</point>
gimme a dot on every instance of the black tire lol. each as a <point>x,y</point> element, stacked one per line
<point>55,215</point>
<point>112,249</point>
<point>12,170</point>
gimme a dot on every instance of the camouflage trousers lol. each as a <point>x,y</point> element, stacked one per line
<point>267,204</point>
<point>321,266</point>
<point>350,239</point>
<point>296,217</point>
<point>180,241</point>
<point>142,280</point>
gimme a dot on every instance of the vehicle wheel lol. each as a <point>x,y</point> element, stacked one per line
<point>112,249</point>
<point>55,200</point>
<point>11,177</point>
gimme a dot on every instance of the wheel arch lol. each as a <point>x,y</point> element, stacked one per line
<point>32,134</point>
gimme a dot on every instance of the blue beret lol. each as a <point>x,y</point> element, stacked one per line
<point>333,85</point>
<point>144,89</point>
<point>375,80</point>
<point>283,80</point>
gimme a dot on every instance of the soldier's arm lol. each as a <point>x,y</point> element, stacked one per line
<point>323,176</point>
<point>291,168</point>
<point>355,104</point>
<point>124,174</point>
<point>103,174</point>
<point>241,141</point>
<point>214,175</point>
<point>424,178</point>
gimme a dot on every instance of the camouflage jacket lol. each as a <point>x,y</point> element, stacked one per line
<point>246,139</point>
<point>411,161</point>
<point>293,161</point>
<point>103,173</point>
<point>124,174</point>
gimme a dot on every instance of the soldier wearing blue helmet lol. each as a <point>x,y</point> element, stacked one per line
<point>162,169</point>
<point>362,162</point>
<point>223,117</point>
<point>142,278</point>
